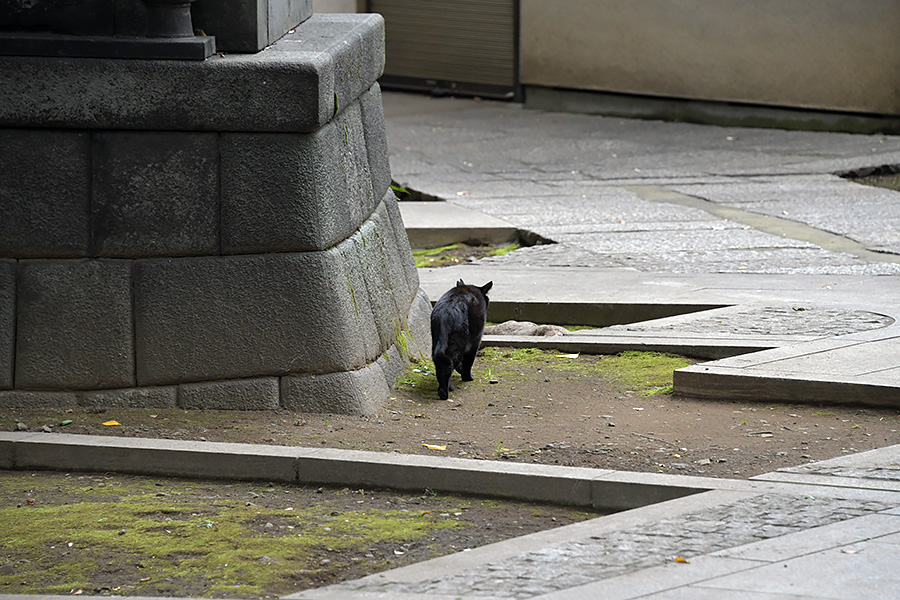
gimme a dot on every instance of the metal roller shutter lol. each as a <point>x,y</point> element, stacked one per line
<point>459,46</point>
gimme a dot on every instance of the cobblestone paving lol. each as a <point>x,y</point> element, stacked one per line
<point>624,551</point>
<point>773,320</point>
<point>886,473</point>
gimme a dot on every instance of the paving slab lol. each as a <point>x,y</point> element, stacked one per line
<point>436,224</point>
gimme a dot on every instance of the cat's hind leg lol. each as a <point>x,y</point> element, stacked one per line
<point>443,368</point>
<point>465,367</point>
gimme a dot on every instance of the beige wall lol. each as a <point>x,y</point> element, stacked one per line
<point>338,6</point>
<point>825,54</point>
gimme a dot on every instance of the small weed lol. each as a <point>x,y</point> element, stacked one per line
<point>504,452</point>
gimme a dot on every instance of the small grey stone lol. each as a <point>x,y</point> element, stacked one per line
<point>20,426</point>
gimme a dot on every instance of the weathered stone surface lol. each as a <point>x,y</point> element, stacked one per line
<point>202,319</point>
<point>356,392</point>
<point>292,86</point>
<point>155,194</point>
<point>295,192</point>
<point>24,399</point>
<point>352,254</point>
<point>418,331</point>
<point>354,178</point>
<point>249,25</point>
<point>392,364</point>
<point>7,321</point>
<point>74,325</point>
<point>376,140</point>
<point>379,285</point>
<point>237,394</point>
<point>145,397</point>
<point>402,253</point>
<point>44,192</point>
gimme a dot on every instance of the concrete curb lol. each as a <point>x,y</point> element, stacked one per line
<point>600,489</point>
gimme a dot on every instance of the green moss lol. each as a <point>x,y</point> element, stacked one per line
<point>456,253</point>
<point>646,372</point>
<point>504,250</point>
<point>400,338</point>
<point>353,294</point>
<point>429,256</point>
<point>221,543</point>
<point>420,379</point>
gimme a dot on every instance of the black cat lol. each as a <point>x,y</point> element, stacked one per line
<point>457,322</point>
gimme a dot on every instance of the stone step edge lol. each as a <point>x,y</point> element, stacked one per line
<point>601,489</point>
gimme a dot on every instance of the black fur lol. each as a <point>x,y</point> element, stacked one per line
<point>457,323</point>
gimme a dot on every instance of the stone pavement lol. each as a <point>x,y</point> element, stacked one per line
<point>656,221</point>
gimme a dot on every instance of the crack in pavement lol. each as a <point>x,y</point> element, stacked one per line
<point>766,223</point>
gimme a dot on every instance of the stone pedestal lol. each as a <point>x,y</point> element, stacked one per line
<point>204,234</point>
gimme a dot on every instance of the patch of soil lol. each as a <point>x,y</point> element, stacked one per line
<point>551,410</point>
<point>54,553</point>
<point>455,254</point>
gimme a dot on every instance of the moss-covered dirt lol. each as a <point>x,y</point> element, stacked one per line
<point>611,412</point>
<point>453,254</point>
<point>70,533</point>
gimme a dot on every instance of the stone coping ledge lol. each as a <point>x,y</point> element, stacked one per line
<point>602,489</point>
<point>296,85</point>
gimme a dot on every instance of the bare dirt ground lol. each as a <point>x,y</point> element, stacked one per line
<point>532,407</point>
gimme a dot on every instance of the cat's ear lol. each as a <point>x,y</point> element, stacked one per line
<point>486,287</point>
<point>460,283</point>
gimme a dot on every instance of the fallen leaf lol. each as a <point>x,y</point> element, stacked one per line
<point>70,410</point>
<point>143,579</point>
<point>433,447</point>
<point>678,559</point>
<point>30,502</point>
<point>66,422</point>
<point>111,423</point>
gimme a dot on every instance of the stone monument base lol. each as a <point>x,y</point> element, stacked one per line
<point>205,234</point>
